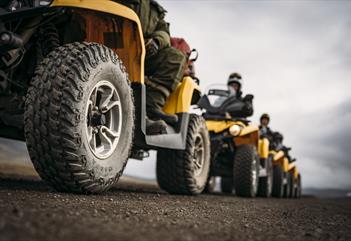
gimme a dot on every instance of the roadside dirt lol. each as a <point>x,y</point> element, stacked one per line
<point>140,211</point>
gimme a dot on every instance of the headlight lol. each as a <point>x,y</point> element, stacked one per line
<point>234,130</point>
<point>42,3</point>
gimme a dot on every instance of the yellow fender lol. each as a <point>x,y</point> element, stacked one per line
<point>263,148</point>
<point>219,126</point>
<point>248,135</point>
<point>132,57</point>
<point>293,170</point>
<point>182,98</point>
<point>279,158</point>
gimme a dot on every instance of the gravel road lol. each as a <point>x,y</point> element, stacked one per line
<point>140,211</point>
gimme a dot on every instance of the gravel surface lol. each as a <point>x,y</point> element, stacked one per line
<point>29,210</point>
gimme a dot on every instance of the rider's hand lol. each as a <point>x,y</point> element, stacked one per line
<point>152,47</point>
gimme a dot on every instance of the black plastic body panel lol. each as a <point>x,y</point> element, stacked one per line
<point>176,137</point>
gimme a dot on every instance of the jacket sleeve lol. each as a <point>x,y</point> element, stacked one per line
<point>161,34</point>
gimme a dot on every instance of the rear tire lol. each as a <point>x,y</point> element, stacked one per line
<point>298,189</point>
<point>186,171</point>
<point>292,185</point>
<point>278,181</point>
<point>245,171</point>
<point>57,123</point>
<point>265,183</point>
<point>227,185</point>
<point>287,185</point>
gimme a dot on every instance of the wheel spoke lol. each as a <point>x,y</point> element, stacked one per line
<point>93,97</point>
<point>197,164</point>
<point>105,140</point>
<point>110,132</point>
<point>92,140</point>
<point>91,106</point>
<point>107,102</point>
<point>110,105</point>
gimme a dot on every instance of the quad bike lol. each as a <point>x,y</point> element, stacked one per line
<point>295,180</point>
<point>281,174</point>
<point>234,142</point>
<point>266,166</point>
<point>72,87</point>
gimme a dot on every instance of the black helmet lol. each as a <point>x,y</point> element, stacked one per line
<point>265,115</point>
<point>235,78</point>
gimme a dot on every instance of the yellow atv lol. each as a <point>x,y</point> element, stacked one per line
<point>281,175</point>
<point>234,143</point>
<point>72,86</point>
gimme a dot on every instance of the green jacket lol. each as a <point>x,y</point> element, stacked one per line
<point>151,16</point>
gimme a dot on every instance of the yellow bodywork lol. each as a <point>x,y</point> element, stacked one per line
<point>180,99</point>
<point>219,126</point>
<point>293,170</point>
<point>263,148</point>
<point>101,13</point>
<point>248,134</point>
<point>108,7</point>
<point>279,158</point>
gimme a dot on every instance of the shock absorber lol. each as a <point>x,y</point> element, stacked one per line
<point>9,41</point>
<point>12,44</point>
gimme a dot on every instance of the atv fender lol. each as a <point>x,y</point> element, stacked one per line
<point>293,170</point>
<point>114,25</point>
<point>186,94</point>
<point>219,126</point>
<point>248,135</point>
<point>263,148</point>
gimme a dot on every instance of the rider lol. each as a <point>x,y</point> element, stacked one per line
<point>279,146</point>
<point>234,85</point>
<point>265,130</point>
<point>164,65</point>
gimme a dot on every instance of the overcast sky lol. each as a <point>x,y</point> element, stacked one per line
<point>295,57</point>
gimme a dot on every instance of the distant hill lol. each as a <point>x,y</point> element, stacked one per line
<point>13,151</point>
<point>328,193</point>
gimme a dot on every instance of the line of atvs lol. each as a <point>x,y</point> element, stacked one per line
<point>250,160</point>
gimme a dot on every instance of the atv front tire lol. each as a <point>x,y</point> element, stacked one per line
<point>287,185</point>
<point>186,171</point>
<point>79,118</point>
<point>278,181</point>
<point>245,171</point>
<point>292,185</point>
<point>298,188</point>
<point>265,183</point>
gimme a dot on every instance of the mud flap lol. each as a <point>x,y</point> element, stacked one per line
<point>176,137</point>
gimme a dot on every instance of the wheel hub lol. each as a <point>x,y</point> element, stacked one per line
<point>199,155</point>
<point>98,120</point>
<point>104,119</point>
